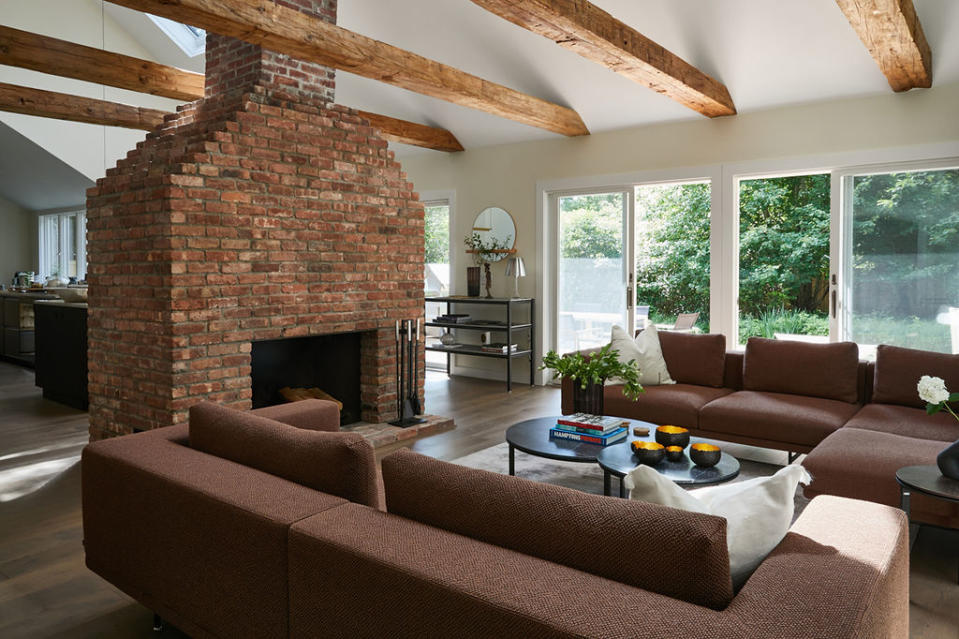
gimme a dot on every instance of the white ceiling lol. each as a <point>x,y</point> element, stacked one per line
<point>33,178</point>
<point>767,52</point>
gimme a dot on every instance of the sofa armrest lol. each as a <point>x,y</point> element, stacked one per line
<point>310,414</point>
<point>841,571</point>
<point>199,539</point>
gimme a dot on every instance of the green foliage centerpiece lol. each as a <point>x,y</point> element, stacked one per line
<point>589,374</point>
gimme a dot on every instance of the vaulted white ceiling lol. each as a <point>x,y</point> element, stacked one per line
<point>767,52</point>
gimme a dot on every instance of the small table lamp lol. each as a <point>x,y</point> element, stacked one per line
<point>516,268</point>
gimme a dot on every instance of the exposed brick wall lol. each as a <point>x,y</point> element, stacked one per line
<point>249,216</point>
<point>234,66</point>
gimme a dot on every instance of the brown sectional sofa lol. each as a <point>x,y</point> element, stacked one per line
<point>222,548</point>
<point>859,421</point>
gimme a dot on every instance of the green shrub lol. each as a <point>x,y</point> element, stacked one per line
<point>781,320</point>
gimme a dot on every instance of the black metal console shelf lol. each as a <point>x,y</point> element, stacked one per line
<point>511,304</point>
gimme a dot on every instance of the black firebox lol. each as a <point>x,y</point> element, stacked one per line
<point>327,362</point>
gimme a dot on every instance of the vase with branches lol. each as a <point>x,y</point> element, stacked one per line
<point>485,252</point>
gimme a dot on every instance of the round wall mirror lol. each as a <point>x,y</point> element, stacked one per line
<point>495,227</point>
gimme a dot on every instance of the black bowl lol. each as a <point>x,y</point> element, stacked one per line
<point>705,455</point>
<point>649,453</point>
<point>674,453</point>
<point>672,436</point>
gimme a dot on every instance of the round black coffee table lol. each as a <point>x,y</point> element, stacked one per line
<point>928,481</point>
<point>532,437</point>
<point>619,460</point>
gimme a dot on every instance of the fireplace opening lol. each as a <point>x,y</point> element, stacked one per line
<point>330,363</point>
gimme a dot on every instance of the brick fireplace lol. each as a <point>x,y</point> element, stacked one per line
<point>262,212</point>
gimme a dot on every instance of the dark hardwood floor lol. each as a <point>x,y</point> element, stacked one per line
<point>46,591</point>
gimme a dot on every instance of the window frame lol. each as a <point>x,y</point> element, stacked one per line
<point>54,248</point>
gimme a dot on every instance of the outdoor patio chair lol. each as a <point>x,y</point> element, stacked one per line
<point>685,321</point>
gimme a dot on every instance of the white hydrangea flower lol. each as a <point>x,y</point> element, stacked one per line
<point>932,390</point>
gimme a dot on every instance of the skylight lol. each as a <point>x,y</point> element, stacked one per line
<point>190,39</point>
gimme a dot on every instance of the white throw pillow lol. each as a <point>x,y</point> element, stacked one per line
<point>758,511</point>
<point>645,349</point>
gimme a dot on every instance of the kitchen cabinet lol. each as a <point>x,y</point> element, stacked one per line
<point>17,333</point>
<point>61,352</point>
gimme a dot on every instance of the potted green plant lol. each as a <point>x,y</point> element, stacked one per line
<point>483,253</point>
<point>589,374</point>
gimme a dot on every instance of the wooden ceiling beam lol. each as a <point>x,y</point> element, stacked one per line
<point>584,28</point>
<point>67,59</point>
<point>891,31</point>
<point>306,37</point>
<point>60,106</point>
<point>428,137</point>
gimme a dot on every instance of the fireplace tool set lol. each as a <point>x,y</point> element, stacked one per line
<point>407,373</point>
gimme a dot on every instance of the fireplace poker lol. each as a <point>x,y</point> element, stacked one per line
<point>415,382</point>
<point>399,375</point>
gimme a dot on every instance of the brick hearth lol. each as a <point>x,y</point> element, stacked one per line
<point>261,212</point>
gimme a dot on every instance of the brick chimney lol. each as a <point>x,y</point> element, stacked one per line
<point>261,212</point>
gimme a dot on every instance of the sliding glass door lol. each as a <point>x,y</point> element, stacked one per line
<point>900,275</point>
<point>436,273</point>
<point>593,287</point>
<point>784,257</point>
<point>672,231</point>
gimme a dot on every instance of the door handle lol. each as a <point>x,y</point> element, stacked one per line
<point>832,304</point>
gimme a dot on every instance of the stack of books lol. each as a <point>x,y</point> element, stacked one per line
<point>498,347</point>
<point>595,429</point>
<point>452,318</point>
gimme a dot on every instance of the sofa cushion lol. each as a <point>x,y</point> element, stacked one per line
<point>758,511</point>
<point>829,371</point>
<point>340,464</point>
<point>645,350</point>
<point>776,417</point>
<point>898,371</point>
<point>605,536</point>
<point>676,404</point>
<point>694,359</point>
<point>862,464</point>
<point>903,420</point>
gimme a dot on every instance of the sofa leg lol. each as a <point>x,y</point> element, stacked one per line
<point>157,623</point>
<point>791,456</point>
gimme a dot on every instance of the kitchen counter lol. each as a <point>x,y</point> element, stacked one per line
<point>61,303</point>
<point>38,295</point>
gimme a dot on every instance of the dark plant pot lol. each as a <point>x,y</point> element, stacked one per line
<point>948,461</point>
<point>588,400</point>
<point>672,436</point>
<point>473,281</point>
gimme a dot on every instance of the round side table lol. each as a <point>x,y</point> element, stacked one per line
<point>928,481</point>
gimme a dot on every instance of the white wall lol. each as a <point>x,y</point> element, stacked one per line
<point>88,148</point>
<point>18,241</point>
<point>507,175</point>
